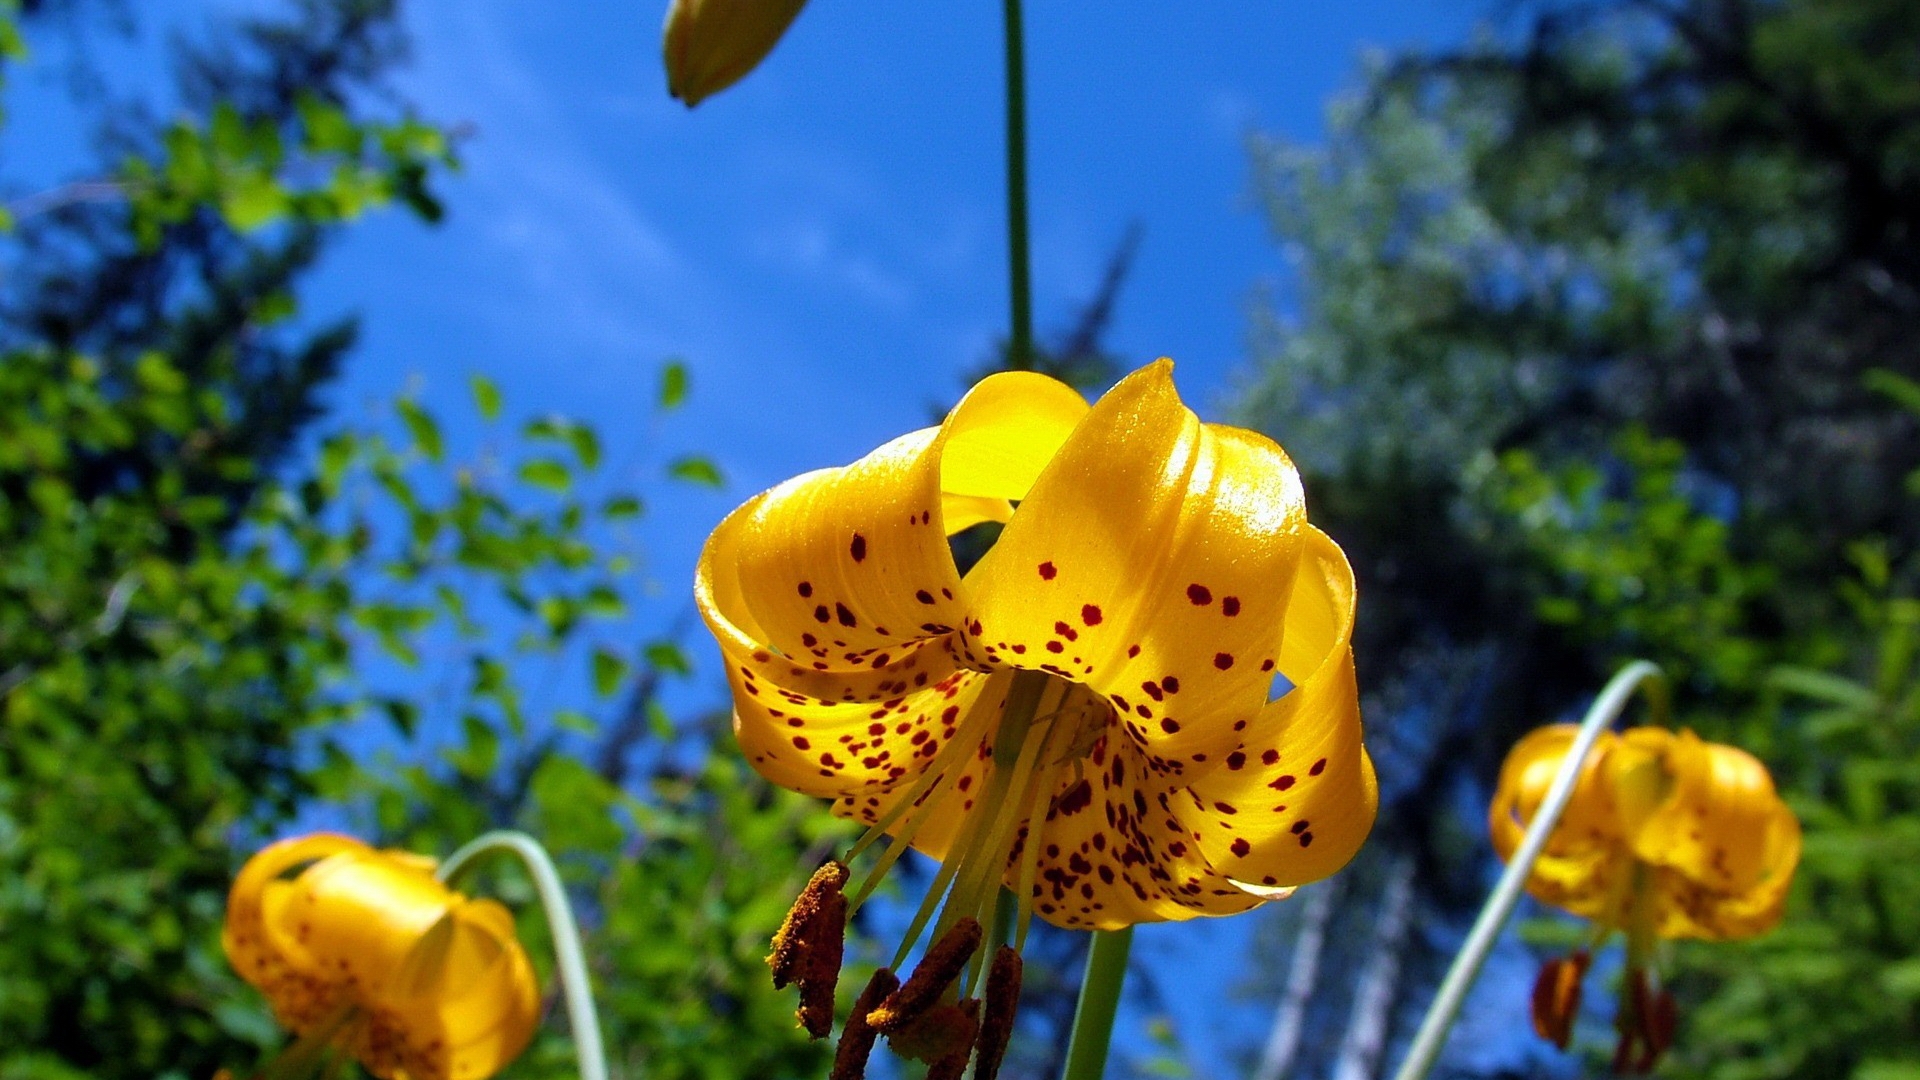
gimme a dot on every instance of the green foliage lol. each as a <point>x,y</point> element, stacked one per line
<point>1605,350</point>
<point>203,633</point>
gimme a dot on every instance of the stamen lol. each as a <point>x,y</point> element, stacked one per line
<point>954,1063</point>
<point>857,1038</point>
<point>819,973</point>
<point>793,934</point>
<point>1556,997</point>
<point>936,972</point>
<point>1044,784</point>
<point>996,1026</point>
<point>939,1036</point>
<point>986,862</point>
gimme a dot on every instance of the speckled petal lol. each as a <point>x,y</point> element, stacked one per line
<point>1585,868</point>
<point>1297,799</point>
<point>256,900</point>
<point>1152,561</point>
<point>841,565</point>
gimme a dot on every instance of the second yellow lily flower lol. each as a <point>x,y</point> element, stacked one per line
<point>1666,836</point>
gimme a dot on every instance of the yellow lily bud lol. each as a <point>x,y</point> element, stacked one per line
<point>367,951</point>
<point>712,44</point>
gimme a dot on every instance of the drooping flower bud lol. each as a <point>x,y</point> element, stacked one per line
<point>712,44</point>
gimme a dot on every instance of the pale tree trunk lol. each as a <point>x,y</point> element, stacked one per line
<point>1368,1023</point>
<point>1283,1043</point>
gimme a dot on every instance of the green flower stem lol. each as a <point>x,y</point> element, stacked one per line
<point>1099,999</point>
<point>1431,1038</point>
<point>570,959</point>
<point>1019,275</point>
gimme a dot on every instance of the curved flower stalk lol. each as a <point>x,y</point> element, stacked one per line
<point>1665,836</point>
<point>364,952</point>
<point>711,44</point>
<point>1084,717</point>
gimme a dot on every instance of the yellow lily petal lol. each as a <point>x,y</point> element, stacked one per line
<point>1585,867</point>
<point>1153,561</point>
<point>1297,799</point>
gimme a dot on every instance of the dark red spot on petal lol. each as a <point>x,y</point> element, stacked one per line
<point>806,588</point>
<point>1047,571</point>
<point>1229,606</point>
<point>858,548</point>
<point>1241,847</point>
<point>1318,767</point>
<point>1282,784</point>
<point>822,614</point>
<point>923,596</point>
<point>1133,651</point>
<point>1236,760</point>
<point>1270,757</point>
<point>1223,661</point>
<point>1168,726</point>
<point>846,617</point>
<point>1090,615</point>
<point>1199,594</point>
<point>1306,839</point>
<point>1170,684</point>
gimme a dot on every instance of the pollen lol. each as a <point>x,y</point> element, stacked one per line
<point>808,947</point>
<point>942,964</point>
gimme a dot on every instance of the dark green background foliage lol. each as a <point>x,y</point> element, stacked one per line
<point>210,617</point>
<point>1605,351</point>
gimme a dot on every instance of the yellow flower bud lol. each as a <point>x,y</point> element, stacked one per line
<point>712,44</point>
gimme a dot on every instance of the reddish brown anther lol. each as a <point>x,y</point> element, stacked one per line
<point>1646,1024</point>
<point>996,1024</point>
<point>808,947</point>
<point>942,964</point>
<point>943,1037</point>
<point>1556,997</point>
<point>856,1039</point>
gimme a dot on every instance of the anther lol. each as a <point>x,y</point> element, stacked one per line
<point>1646,1025</point>
<point>795,933</point>
<point>856,1039</point>
<point>942,964</point>
<point>1556,997</point>
<point>808,948</point>
<point>996,1024</point>
<point>940,1036</point>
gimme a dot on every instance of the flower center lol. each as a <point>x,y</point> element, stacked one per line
<point>1031,727</point>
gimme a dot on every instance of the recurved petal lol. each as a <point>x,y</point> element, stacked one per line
<point>1294,803</point>
<point>1152,560</point>
<point>467,1001</point>
<point>1689,909</point>
<point>359,914</point>
<point>1719,799</point>
<point>258,890</point>
<point>838,566</point>
<point>1525,776</point>
<point>848,750</point>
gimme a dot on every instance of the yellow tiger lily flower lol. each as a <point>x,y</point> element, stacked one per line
<point>1084,716</point>
<point>711,44</point>
<point>1666,836</point>
<point>365,951</point>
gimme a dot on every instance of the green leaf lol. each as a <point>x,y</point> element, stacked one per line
<point>609,671</point>
<point>486,397</point>
<point>694,469</point>
<point>622,507</point>
<point>548,474</point>
<point>674,384</point>
<point>423,428</point>
<point>668,657</point>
